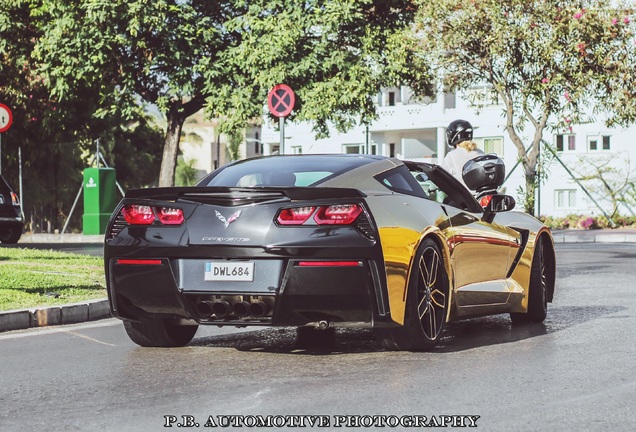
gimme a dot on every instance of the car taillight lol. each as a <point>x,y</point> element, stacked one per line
<point>145,215</point>
<point>14,199</point>
<point>295,216</point>
<point>138,214</point>
<point>336,214</point>
<point>170,216</point>
<point>339,214</point>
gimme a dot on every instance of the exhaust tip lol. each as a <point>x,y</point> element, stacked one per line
<point>258,309</point>
<point>221,309</point>
<point>204,308</point>
<point>242,309</point>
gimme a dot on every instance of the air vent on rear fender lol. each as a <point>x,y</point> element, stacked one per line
<point>364,226</point>
<point>118,225</point>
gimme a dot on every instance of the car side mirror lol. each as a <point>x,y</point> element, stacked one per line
<point>498,203</point>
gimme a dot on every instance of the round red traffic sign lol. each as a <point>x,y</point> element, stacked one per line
<point>280,100</point>
<point>6,118</point>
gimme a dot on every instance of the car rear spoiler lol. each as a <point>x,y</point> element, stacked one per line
<point>210,192</point>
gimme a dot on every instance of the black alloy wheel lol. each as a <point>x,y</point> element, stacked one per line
<point>538,296</point>
<point>426,304</point>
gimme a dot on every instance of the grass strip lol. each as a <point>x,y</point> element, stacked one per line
<point>38,278</point>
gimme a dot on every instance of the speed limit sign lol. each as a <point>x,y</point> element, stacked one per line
<point>6,118</point>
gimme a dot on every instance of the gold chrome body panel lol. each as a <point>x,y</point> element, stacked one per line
<point>488,265</point>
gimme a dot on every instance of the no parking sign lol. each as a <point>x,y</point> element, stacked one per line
<point>6,118</point>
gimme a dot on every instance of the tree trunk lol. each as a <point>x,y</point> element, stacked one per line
<point>531,177</point>
<point>171,148</point>
<point>177,113</point>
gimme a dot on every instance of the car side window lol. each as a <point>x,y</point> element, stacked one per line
<point>400,180</point>
<point>442,187</point>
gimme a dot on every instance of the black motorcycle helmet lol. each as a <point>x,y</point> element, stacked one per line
<point>458,131</point>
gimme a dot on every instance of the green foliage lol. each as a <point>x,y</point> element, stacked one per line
<point>549,61</point>
<point>186,174</point>
<point>333,54</point>
<point>30,278</point>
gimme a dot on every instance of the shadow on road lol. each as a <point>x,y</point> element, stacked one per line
<point>458,336</point>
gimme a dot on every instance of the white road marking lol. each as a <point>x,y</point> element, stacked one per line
<point>39,331</point>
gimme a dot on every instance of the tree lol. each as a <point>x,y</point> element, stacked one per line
<point>552,63</point>
<point>150,51</point>
<point>57,136</point>
<point>333,54</point>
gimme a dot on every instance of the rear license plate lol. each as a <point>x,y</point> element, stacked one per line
<point>229,271</point>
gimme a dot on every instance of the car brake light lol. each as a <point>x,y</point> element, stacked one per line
<point>295,216</point>
<point>330,263</point>
<point>139,261</point>
<point>14,199</point>
<point>339,214</point>
<point>170,216</point>
<point>138,214</point>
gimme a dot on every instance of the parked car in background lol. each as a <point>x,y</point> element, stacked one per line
<point>11,219</point>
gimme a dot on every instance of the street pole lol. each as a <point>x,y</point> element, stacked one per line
<point>20,179</point>
<point>281,126</point>
<point>97,154</point>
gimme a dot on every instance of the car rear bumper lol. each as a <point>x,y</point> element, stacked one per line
<point>285,291</point>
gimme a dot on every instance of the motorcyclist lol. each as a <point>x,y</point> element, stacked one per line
<point>459,136</point>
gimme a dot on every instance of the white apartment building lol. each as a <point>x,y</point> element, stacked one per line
<point>408,128</point>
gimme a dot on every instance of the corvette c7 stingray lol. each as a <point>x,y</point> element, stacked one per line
<point>321,241</point>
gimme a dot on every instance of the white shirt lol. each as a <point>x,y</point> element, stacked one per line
<point>455,160</point>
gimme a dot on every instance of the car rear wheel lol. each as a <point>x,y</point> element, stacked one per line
<point>538,296</point>
<point>10,235</point>
<point>426,304</point>
<point>159,333</point>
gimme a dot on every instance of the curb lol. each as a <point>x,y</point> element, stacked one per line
<point>54,315</point>
<point>602,236</point>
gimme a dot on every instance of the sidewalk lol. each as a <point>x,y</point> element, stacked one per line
<point>60,238</point>
<point>98,309</point>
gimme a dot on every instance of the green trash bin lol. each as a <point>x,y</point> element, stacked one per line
<point>99,199</point>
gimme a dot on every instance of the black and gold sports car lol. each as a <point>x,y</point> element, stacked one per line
<point>322,241</point>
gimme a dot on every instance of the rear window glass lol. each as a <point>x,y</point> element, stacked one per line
<point>283,171</point>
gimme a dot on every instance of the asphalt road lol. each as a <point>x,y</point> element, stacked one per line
<point>575,372</point>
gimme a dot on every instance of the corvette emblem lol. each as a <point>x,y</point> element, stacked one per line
<point>227,222</point>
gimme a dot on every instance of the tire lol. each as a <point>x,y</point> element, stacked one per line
<point>427,304</point>
<point>159,333</point>
<point>538,296</point>
<point>10,235</point>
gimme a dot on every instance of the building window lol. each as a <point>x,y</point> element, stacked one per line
<point>565,142</point>
<point>598,142</point>
<point>483,97</point>
<point>353,148</point>
<point>565,198</point>
<point>449,100</point>
<point>297,150</point>
<point>257,144</point>
<point>374,149</point>
<point>392,150</point>
<point>491,145</point>
<point>391,98</point>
